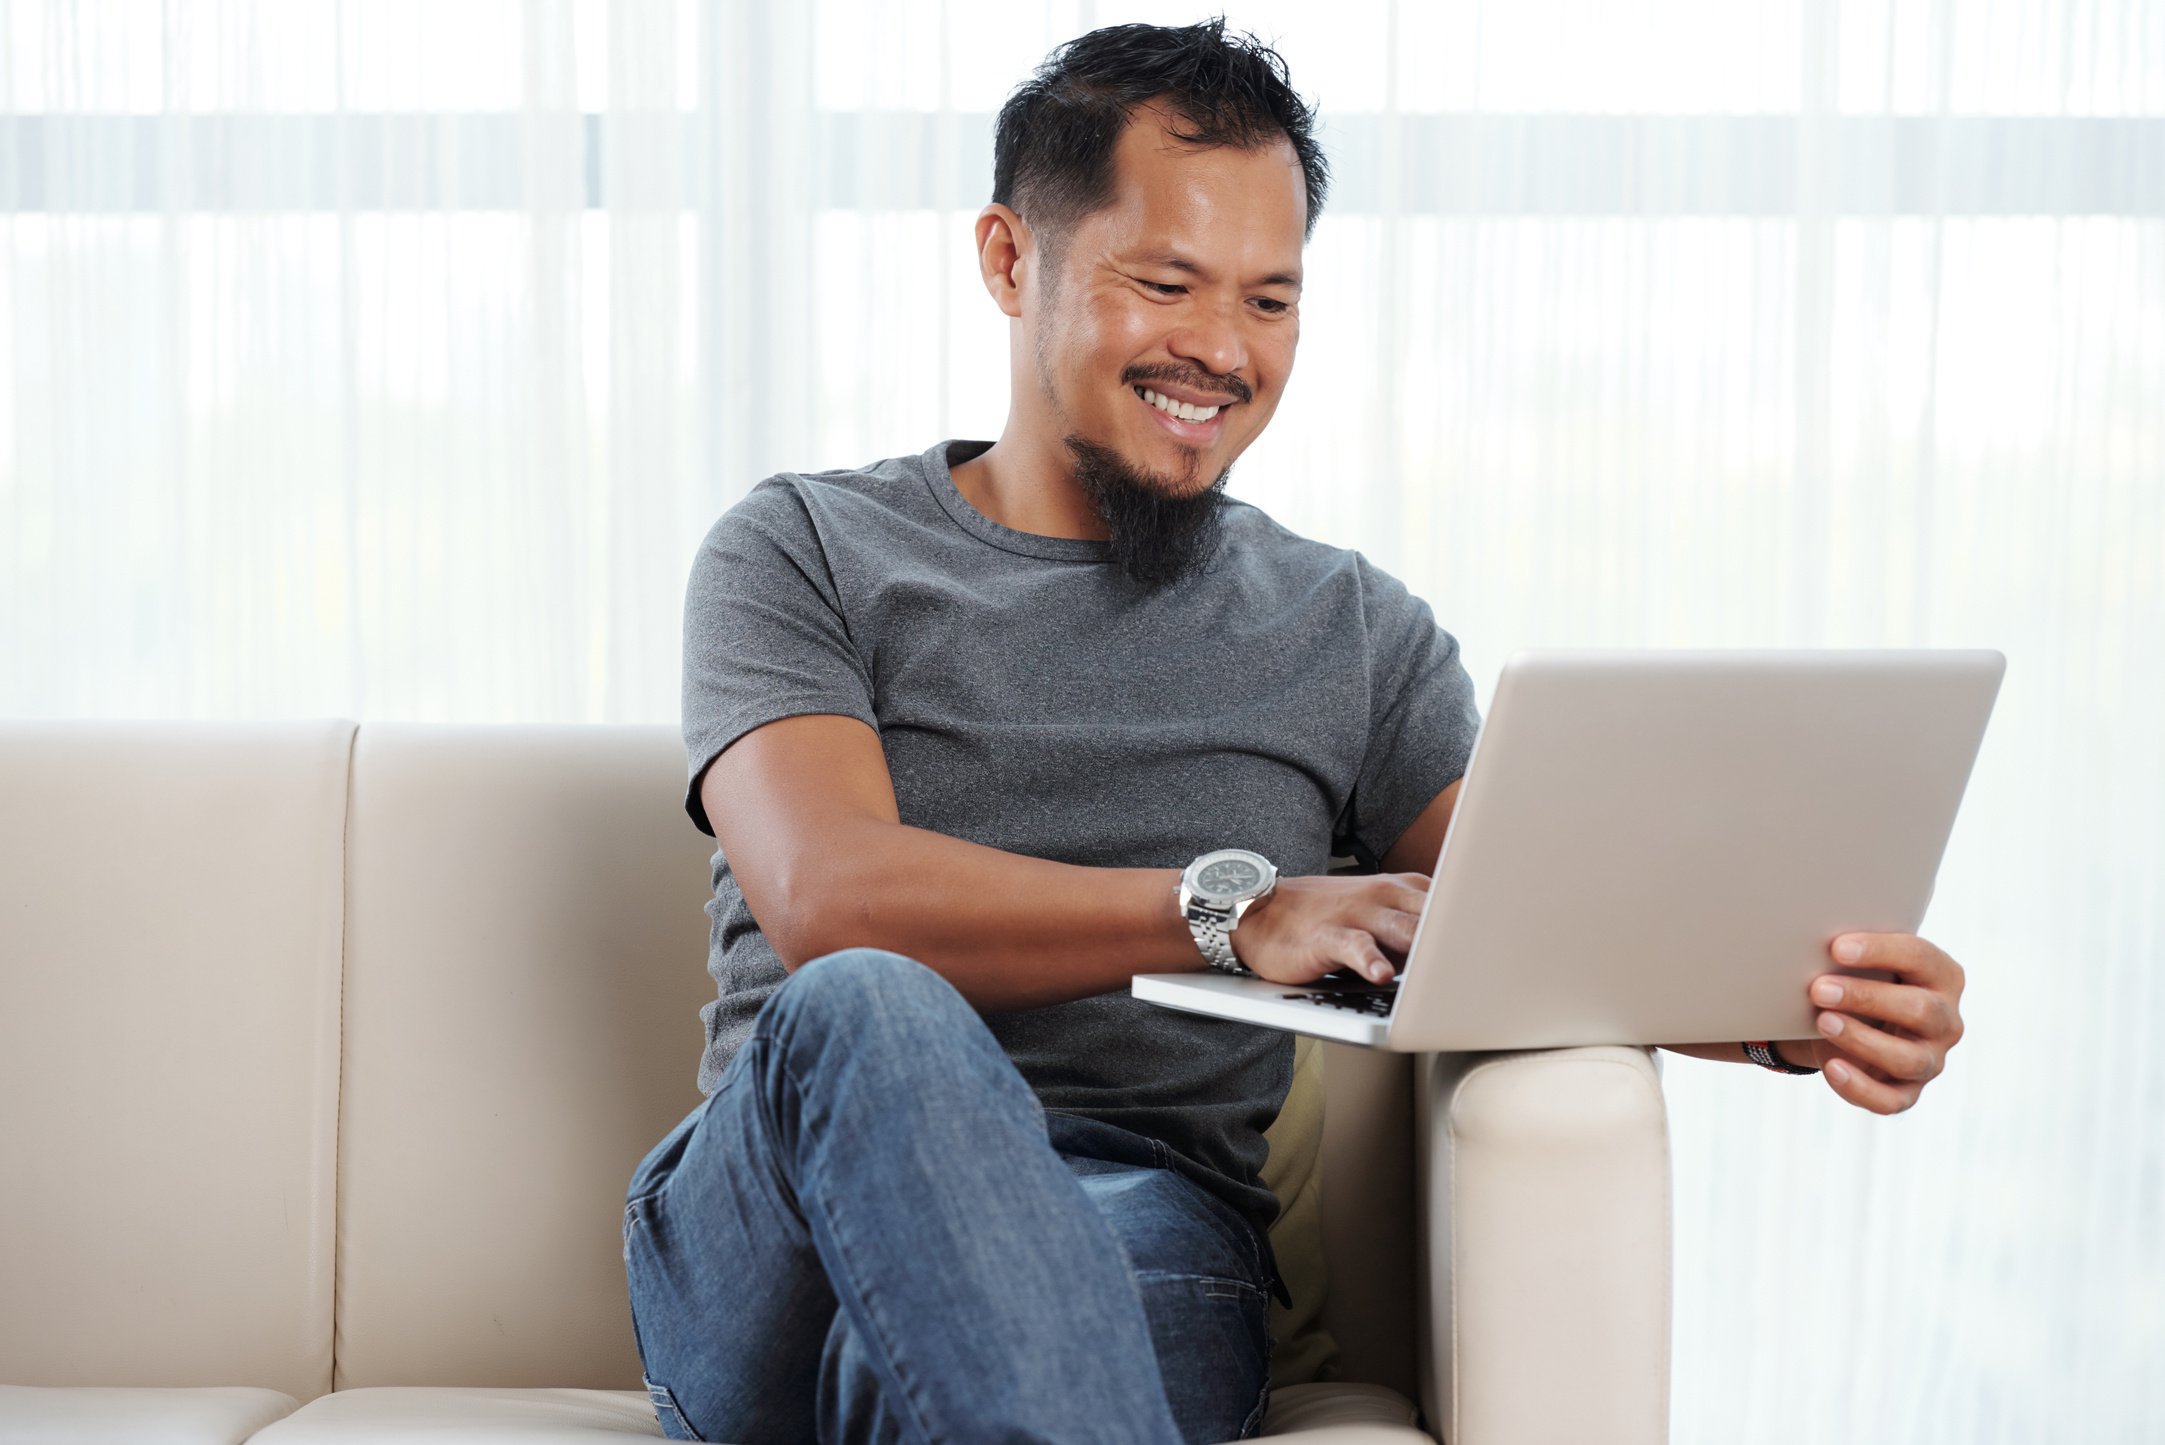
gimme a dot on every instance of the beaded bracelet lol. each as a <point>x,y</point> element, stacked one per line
<point>1762,1054</point>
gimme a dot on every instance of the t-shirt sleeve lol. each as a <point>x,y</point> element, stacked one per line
<point>764,633</point>
<point>1421,718</point>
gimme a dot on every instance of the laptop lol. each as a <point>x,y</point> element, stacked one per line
<point>1656,847</point>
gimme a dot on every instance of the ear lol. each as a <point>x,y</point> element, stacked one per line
<point>1006,255</point>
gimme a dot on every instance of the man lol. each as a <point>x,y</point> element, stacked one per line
<point>961,724</point>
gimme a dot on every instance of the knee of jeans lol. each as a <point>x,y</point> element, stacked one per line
<point>885,1020</point>
<point>865,987</point>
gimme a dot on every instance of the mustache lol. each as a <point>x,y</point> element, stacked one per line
<point>1232,388</point>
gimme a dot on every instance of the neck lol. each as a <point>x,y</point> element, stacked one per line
<point>1026,481</point>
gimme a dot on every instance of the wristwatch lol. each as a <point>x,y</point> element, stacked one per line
<point>1214,892</point>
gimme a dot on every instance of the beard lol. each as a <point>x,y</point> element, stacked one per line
<point>1159,538</point>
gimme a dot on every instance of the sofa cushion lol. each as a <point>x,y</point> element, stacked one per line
<point>1302,1349</point>
<point>1342,1414</point>
<point>1337,1413</point>
<point>125,1415</point>
<point>420,1414</point>
<point>1369,1233</point>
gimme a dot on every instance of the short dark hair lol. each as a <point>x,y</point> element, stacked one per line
<point>1052,151</point>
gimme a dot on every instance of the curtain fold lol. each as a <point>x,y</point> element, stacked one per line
<point>389,359</point>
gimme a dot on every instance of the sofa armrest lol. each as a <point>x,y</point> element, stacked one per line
<point>1542,1180</point>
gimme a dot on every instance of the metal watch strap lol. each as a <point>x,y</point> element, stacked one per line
<point>1217,948</point>
<point>1762,1053</point>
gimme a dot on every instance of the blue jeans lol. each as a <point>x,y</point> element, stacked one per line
<point>872,1230</point>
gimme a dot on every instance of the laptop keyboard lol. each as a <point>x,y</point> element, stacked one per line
<point>1361,998</point>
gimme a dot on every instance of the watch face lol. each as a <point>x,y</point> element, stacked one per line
<point>1229,877</point>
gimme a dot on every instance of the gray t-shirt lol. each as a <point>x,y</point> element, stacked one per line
<point>1294,700</point>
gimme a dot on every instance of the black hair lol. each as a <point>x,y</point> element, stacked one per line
<point>1052,152</point>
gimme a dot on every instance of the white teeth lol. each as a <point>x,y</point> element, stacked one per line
<point>1180,409</point>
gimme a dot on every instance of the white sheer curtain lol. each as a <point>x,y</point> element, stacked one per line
<point>387,359</point>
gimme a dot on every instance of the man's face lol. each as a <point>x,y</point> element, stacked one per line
<point>1187,286</point>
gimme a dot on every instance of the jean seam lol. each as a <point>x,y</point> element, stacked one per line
<point>786,1194</point>
<point>660,1397</point>
<point>1254,1307</point>
<point>1231,1222</point>
<point>1254,1422</point>
<point>1246,1287</point>
<point>1253,1425</point>
<point>876,1331</point>
<point>689,1124</point>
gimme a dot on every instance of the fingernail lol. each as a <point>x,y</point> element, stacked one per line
<point>1830,1023</point>
<point>1827,991</point>
<point>1849,950</point>
<point>1838,1071</point>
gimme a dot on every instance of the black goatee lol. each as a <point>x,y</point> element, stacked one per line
<point>1159,538</point>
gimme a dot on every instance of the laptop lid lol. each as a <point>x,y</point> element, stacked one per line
<point>1657,846</point>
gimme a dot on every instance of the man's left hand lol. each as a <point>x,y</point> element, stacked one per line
<point>1880,1042</point>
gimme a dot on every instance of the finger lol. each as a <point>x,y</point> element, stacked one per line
<point>1905,955</point>
<point>1402,896</point>
<point>1356,949</point>
<point>1392,928</point>
<point>1899,1060</point>
<point>1924,1012</point>
<point>1851,1082</point>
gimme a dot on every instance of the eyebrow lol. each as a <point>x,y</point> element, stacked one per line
<point>1177,263</point>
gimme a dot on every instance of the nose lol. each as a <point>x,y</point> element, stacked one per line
<point>1211,340</point>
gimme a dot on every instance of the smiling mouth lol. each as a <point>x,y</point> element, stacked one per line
<point>1178,410</point>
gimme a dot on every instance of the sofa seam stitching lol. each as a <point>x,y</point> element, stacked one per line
<point>338,1091</point>
<point>1458,1272</point>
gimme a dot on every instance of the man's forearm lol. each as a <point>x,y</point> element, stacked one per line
<point>1008,931</point>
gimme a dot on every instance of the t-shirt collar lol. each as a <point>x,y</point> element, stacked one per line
<point>935,463</point>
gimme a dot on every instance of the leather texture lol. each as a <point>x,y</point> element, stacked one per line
<point>137,1415</point>
<point>1302,1350</point>
<point>1337,1414</point>
<point>170,923</point>
<point>1368,1213</point>
<point>1545,1175</point>
<point>525,965</point>
<point>499,938</point>
<point>426,1415</point>
<point>1342,1415</point>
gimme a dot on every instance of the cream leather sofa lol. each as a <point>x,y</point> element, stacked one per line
<point>326,1053</point>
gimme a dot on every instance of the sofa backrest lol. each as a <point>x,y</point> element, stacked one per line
<point>525,963</point>
<point>337,1076</point>
<point>170,926</point>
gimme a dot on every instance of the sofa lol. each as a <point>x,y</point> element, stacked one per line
<point>327,1050</point>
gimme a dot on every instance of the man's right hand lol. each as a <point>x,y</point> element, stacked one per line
<point>1308,927</point>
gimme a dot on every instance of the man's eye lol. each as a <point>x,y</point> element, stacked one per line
<point>1271,305</point>
<point>1163,289</point>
